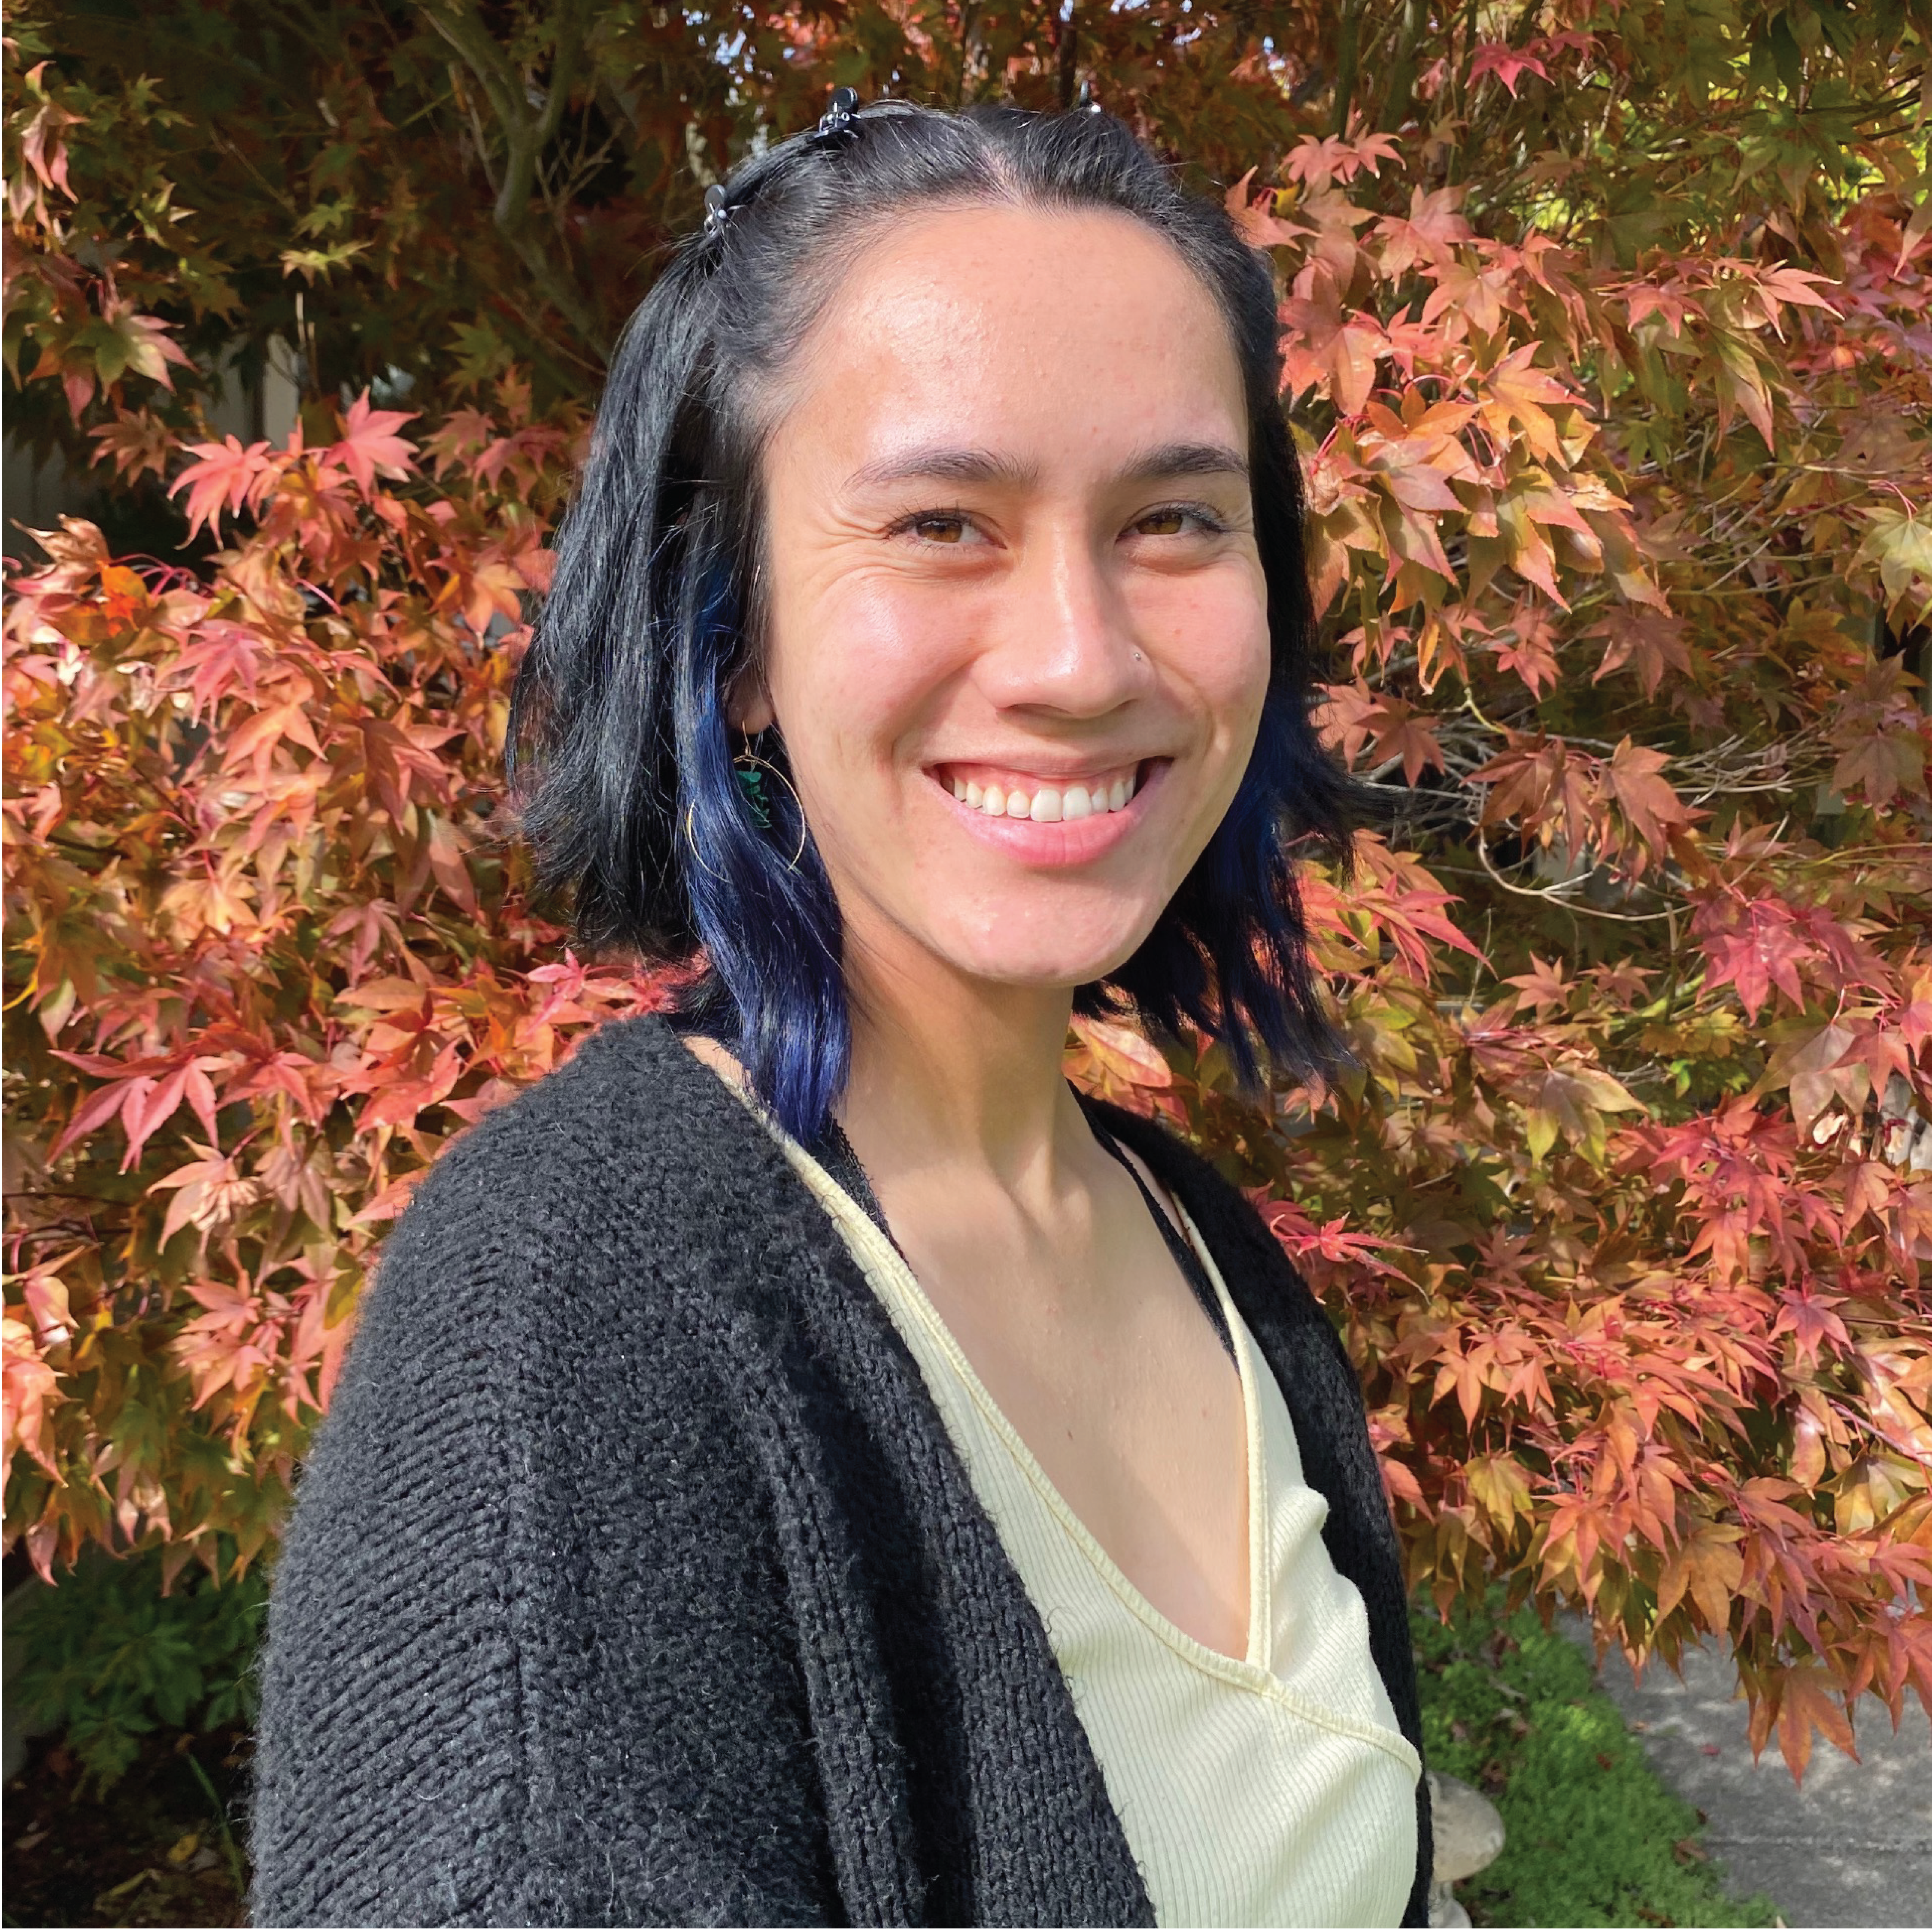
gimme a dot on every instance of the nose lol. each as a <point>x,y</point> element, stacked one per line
<point>1063,639</point>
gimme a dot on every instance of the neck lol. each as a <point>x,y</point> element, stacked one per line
<point>947,1069</point>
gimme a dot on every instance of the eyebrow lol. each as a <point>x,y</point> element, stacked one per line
<point>944,464</point>
<point>937,463</point>
<point>1185,459</point>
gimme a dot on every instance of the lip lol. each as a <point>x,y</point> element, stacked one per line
<point>1062,842</point>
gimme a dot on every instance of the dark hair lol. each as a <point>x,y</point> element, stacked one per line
<point>619,731</point>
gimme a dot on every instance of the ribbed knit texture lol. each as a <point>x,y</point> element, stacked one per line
<point>1273,1789</point>
<point>633,1579</point>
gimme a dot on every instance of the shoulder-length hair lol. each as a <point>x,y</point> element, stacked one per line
<point>620,757</point>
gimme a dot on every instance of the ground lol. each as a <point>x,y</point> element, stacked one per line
<point>1852,1846</point>
<point>158,1850</point>
<point>1594,1836</point>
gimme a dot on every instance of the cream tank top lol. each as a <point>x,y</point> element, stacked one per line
<point>1275,1788</point>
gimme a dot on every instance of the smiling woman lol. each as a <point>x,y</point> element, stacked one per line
<point>964,1515</point>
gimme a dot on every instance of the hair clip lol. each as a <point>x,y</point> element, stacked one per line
<point>1086,104</point>
<point>715,211</point>
<point>839,120</point>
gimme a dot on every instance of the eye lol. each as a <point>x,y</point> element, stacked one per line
<point>951,527</point>
<point>1178,520</point>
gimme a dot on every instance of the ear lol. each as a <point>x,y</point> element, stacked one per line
<point>747,705</point>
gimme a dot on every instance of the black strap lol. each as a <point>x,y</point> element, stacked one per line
<point>836,1154</point>
<point>1178,1245</point>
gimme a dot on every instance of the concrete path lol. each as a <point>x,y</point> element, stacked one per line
<point>1852,1846</point>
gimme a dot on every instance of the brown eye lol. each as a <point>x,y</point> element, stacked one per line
<point>1162,523</point>
<point>940,530</point>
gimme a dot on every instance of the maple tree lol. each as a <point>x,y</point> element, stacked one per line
<point>1606,341</point>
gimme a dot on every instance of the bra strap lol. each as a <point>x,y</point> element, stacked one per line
<point>1178,1245</point>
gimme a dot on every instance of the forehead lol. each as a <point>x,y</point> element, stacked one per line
<point>1045,330</point>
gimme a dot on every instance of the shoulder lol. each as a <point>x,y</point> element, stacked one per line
<point>534,1232</point>
<point>630,1090</point>
<point>534,1440</point>
<point>626,1138</point>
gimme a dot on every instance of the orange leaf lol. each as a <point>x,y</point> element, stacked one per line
<point>30,1386</point>
<point>1651,805</point>
<point>1709,1565</point>
<point>1807,1701</point>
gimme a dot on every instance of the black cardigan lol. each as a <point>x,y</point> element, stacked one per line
<point>633,1578</point>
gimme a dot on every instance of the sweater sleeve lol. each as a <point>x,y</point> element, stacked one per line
<point>514,1673</point>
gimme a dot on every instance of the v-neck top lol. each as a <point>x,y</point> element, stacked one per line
<point>1273,1789</point>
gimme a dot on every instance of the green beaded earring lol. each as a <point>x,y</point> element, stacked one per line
<point>750,771</point>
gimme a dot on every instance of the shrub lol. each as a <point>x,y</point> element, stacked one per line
<point>1607,346</point>
<point>259,842</point>
<point>107,1658</point>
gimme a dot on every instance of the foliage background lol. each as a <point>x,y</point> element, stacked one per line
<point>1607,346</point>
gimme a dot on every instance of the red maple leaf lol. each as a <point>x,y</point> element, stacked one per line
<point>371,448</point>
<point>1355,716</point>
<point>1315,164</point>
<point>223,658</point>
<point>1651,805</point>
<point>1651,639</point>
<point>1426,234</point>
<point>227,476</point>
<point>1543,985</point>
<point>1765,950</point>
<point>1323,341</point>
<point>1804,1699</point>
<point>1811,1319</point>
<point>1529,646</point>
<point>1507,63</point>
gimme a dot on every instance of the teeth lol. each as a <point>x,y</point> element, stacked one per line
<point>1048,804</point>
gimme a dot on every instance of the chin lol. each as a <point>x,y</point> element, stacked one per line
<point>1046,947</point>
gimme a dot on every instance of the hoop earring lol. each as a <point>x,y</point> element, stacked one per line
<point>749,770</point>
<point>690,839</point>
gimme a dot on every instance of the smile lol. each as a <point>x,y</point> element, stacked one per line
<point>1053,820</point>
<point>1001,792</point>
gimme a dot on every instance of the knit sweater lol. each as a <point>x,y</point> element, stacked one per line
<point>633,1579</point>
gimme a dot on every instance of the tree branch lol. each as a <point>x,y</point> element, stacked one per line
<point>527,133</point>
<point>1347,41</point>
<point>1402,68</point>
<point>458,24</point>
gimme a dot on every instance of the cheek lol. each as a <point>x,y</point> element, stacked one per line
<point>854,668</point>
<point>1240,673</point>
<point>1212,635</point>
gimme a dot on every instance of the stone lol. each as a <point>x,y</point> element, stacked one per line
<point>1469,1836</point>
<point>1468,1828</point>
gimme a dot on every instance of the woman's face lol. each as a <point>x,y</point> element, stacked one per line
<point>1016,636</point>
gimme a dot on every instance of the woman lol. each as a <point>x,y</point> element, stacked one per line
<point>800,1463</point>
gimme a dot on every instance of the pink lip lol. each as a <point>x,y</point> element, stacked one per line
<point>1077,841</point>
